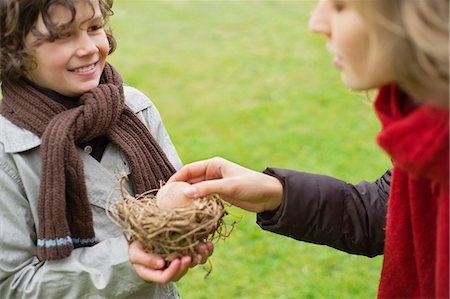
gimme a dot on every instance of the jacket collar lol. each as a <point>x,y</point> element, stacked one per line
<point>16,139</point>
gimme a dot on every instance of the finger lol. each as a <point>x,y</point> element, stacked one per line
<point>139,256</point>
<point>194,170</point>
<point>159,276</point>
<point>204,251</point>
<point>209,249</point>
<point>200,171</point>
<point>184,267</point>
<point>197,260</point>
<point>201,189</point>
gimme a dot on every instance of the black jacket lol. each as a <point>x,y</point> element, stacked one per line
<point>323,210</point>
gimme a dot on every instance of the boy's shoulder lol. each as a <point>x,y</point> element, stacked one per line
<point>136,99</point>
<point>16,139</point>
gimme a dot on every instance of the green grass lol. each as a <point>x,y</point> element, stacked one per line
<point>246,80</point>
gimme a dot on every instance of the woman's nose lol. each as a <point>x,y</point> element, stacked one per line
<point>319,22</point>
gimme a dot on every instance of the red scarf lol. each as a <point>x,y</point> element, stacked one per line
<point>416,254</point>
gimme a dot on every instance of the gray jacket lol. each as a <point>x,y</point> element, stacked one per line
<point>100,271</point>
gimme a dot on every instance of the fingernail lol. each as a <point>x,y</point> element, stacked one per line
<point>159,263</point>
<point>191,192</point>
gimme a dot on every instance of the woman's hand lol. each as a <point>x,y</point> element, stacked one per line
<point>242,187</point>
<point>152,268</point>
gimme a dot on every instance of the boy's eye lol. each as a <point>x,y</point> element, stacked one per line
<point>65,35</point>
<point>95,27</point>
<point>61,36</point>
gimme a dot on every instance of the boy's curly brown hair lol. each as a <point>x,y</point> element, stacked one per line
<point>17,20</point>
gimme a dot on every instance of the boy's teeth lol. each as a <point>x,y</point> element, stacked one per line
<point>84,69</point>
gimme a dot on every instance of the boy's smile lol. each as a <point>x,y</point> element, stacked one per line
<point>73,63</point>
<point>85,70</point>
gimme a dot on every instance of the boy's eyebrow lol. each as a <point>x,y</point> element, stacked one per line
<point>95,18</point>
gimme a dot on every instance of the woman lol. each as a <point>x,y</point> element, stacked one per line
<point>401,48</point>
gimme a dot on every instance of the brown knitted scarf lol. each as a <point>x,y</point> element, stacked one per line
<point>65,216</point>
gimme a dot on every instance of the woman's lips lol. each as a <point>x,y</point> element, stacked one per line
<point>338,62</point>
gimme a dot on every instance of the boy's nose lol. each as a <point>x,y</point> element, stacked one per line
<point>319,21</point>
<point>86,45</point>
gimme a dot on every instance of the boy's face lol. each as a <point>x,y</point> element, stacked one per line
<point>73,64</point>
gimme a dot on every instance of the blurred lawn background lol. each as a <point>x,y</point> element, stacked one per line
<point>246,80</point>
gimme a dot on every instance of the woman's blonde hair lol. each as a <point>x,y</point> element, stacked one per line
<point>414,35</point>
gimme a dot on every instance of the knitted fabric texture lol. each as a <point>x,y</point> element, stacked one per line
<point>65,216</point>
<point>416,252</point>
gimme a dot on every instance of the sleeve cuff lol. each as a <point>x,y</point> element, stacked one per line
<point>271,217</point>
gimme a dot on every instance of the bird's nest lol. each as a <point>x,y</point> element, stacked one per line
<point>172,233</point>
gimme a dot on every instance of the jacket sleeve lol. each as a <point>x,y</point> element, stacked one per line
<point>324,210</point>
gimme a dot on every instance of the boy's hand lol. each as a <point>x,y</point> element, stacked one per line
<point>152,268</point>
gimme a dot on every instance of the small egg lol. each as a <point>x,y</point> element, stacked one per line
<point>171,196</point>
